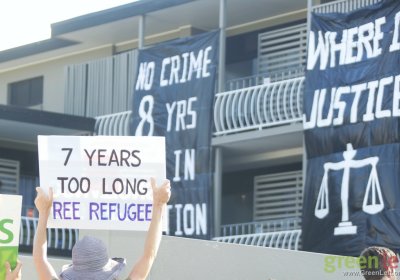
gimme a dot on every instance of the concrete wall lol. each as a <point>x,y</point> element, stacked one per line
<point>183,259</point>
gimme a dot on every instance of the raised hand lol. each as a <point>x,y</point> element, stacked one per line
<point>162,193</point>
<point>15,274</point>
<point>43,201</point>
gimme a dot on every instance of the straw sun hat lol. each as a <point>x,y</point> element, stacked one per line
<point>90,261</point>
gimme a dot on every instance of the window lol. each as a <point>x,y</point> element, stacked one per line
<point>9,175</point>
<point>26,93</point>
<point>278,196</point>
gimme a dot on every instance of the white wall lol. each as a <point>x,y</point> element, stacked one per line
<point>183,259</point>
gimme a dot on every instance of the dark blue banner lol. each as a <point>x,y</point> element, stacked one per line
<point>351,122</point>
<point>173,97</point>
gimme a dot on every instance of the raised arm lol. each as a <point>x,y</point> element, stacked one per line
<point>43,204</point>
<point>161,196</point>
<point>13,274</point>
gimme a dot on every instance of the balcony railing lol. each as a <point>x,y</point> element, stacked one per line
<point>57,239</point>
<point>288,239</point>
<point>244,82</point>
<point>239,110</point>
<point>261,227</point>
<point>258,107</point>
<point>343,6</point>
<point>260,79</point>
<point>113,124</point>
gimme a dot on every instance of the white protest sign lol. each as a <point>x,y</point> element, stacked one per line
<point>101,182</point>
<point>10,221</point>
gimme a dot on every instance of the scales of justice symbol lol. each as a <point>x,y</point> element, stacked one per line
<point>373,201</point>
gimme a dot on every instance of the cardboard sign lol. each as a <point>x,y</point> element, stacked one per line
<point>101,182</point>
<point>10,220</point>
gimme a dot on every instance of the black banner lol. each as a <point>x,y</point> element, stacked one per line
<point>173,97</point>
<point>351,122</point>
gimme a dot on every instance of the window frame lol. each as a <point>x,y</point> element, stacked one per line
<point>30,96</point>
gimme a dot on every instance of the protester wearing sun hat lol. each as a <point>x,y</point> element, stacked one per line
<point>90,260</point>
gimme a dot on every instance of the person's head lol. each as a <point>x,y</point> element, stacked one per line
<point>378,263</point>
<point>90,261</point>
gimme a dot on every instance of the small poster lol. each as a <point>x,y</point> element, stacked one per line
<point>10,221</point>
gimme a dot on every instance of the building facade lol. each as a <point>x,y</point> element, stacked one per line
<point>81,80</point>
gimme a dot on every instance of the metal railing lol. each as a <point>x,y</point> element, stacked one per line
<point>62,239</point>
<point>259,106</point>
<point>260,226</point>
<point>288,239</point>
<point>260,79</point>
<point>113,124</point>
<point>237,110</point>
<point>343,6</point>
<point>245,82</point>
<point>287,74</point>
